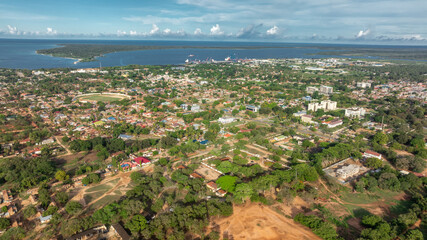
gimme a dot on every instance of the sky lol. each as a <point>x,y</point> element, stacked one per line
<point>373,21</point>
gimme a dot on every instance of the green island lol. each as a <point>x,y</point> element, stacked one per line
<point>88,52</point>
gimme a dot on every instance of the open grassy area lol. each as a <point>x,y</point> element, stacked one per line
<point>366,198</point>
<point>102,187</point>
<point>92,196</point>
<point>104,201</point>
<point>101,98</point>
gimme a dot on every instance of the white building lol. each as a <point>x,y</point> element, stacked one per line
<point>326,90</point>
<point>252,108</point>
<point>195,108</point>
<point>307,118</point>
<point>326,105</point>
<point>348,171</point>
<point>184,106</point>
<point>334,123</point>
<point>311,89</point>
<point>363,85</point>
<point>225,120</point>
<point>355,112</point>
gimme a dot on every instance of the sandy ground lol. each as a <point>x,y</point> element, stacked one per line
<point>256,221</point>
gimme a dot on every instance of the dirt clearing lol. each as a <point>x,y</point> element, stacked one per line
<point>255,221</point>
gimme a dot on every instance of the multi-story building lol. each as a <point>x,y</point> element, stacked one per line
<point>252,108</point>
<point>326,90</point>
<point>311,89</point>
<point>355,112</point>
<point>325,105</point>
<point>363,85</point>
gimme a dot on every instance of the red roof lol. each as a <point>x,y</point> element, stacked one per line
<point>245,130</point>
<point>212,185</point>
<point>372,153</point>
<point>140,160</point>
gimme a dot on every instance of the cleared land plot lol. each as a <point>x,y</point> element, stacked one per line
<point>208,173</point>
<point>74,161</point>
<point>254,221</point>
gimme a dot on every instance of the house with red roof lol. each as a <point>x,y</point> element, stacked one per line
<point>141,161</point>
<point>372,154</point>
<point>212,186</point>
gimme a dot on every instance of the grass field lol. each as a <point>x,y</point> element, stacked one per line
<point>102,97</point>
<point>104,201</point>
<point>102,188</point>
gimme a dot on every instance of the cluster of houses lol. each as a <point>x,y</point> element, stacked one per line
<point>135,163</point>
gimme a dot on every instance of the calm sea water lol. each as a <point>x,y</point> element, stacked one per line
<point>21,53</point>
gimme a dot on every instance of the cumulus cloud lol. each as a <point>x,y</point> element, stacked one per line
<point>154,29</point>
<point>121,33</point>
<point>133,33</point>
<point>198,31</point>
<point>12,30</point>
<point>363,34</point>
<point>50,31</point>
<point>167,31</point>
<point>250,31</point>
<point>273,31</point>
<point>216,30</point>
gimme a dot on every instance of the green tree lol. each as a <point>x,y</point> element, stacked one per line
<point>243,190</point>
<point>136,224</point>
<point>73,207</point>
<point>4,223</point>
<point>306,143</point>
<point>227,183</point>
<point>380,138</point>
<point>29,211</point>
<point>61,198</point>
<point>374,163</point>
<point>389,181</point>
<point>61,175</point>
<point>414,234</point>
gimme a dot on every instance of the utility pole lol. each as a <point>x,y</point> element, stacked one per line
<point>382,124</point>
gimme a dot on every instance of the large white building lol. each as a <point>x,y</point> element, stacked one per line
<point>355,112</point>
<point>195,108</point>
<point>363,85</point>
<point>326,90</point>
<point>325,105</point>
<point>225,120</point>
<point>348,171</point>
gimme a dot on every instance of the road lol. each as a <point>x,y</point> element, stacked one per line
<point>62,145</point>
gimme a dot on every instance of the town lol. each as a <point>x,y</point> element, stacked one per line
<point>333,148</point>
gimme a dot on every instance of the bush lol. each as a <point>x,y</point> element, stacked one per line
<point>29,211</point>
<point>319,226</point>
<point>73,207</point>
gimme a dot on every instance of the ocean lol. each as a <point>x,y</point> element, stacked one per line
<point>21,53</point>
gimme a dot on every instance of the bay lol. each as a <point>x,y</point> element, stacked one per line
<point>21,53</point>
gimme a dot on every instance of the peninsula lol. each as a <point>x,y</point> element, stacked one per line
<point>88,52</point>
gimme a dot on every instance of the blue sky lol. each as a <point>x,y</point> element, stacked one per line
<point>243,20</point>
